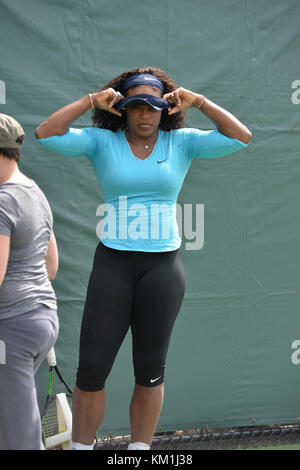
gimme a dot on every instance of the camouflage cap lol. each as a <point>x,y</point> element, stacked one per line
<point>11,132</point>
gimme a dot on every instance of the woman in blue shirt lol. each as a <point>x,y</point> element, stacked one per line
<point>141,152</point>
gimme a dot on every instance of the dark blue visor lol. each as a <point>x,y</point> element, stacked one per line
<point>142,79</point>
<point>143,100</point>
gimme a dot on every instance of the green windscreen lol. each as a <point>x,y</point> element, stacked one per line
<point>234,357</point>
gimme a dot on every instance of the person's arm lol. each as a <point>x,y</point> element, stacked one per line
<point>4,255</point>
<point>59,122</point>
<point>225,122</point>
<point>51,258</point>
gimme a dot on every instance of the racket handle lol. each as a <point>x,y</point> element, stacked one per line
<point>51,357</point>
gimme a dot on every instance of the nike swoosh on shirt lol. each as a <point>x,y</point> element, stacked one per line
<point>162,161</point>
<point>154,380</point>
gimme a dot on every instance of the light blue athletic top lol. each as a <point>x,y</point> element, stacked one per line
<point>140,195</point>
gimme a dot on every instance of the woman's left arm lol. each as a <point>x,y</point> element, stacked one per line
<point>4,255</point>
<point>225,122</point>
<point>52,259</point>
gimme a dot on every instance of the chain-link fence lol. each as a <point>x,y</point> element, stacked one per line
<point>232,438</point>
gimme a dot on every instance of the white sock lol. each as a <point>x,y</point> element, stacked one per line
<point>138,446</point>
<point>79,446</point>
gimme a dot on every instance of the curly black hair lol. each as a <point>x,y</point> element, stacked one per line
<point>107,120</point>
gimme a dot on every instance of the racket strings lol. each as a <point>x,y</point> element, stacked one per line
<point>53,421</point>
<point>50,419</point>
<point>53,417</point>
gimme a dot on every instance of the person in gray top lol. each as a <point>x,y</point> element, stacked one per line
<point>28,306</point>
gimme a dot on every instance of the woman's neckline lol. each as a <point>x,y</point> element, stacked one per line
<point>150,155</point>
<point>27,183</point>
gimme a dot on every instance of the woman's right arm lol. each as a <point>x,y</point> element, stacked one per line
<point>59,122</point>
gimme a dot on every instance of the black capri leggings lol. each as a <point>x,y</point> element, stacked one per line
<point>142,290</point>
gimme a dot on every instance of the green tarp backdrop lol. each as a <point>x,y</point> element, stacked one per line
<point>234,358</point>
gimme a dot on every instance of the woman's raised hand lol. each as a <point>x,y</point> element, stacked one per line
<point>182,99</point>
<point>106,100</point>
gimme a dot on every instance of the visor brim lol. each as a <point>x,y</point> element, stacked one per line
<point>154,102</point>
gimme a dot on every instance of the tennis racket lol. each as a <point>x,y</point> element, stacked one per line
<point>57,415</point>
